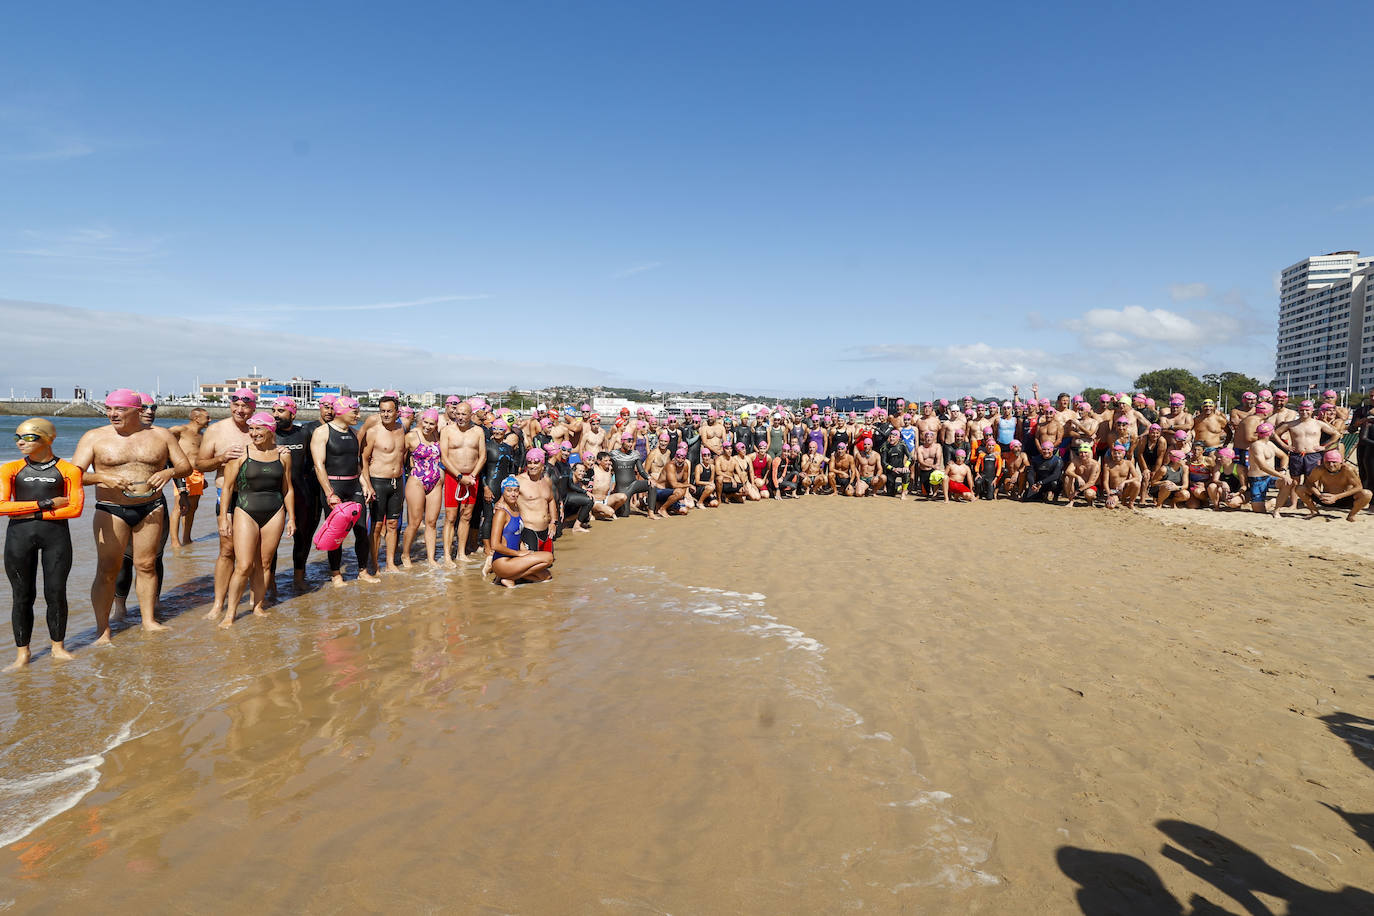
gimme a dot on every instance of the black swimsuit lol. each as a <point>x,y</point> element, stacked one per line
<point>259,489</point>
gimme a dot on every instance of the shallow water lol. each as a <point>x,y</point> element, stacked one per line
<point>611,741</point>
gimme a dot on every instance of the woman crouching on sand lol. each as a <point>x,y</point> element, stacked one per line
<point>513,562</point>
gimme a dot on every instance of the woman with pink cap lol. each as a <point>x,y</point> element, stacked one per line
<point>424,496</point>
<point>256,509</point>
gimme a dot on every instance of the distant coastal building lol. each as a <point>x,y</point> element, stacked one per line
<point>304,390</point>
<point>1326,324</point>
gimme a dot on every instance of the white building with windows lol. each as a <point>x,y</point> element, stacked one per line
<point>1326,324</point>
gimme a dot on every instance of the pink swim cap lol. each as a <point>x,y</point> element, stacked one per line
<point>391,394</point>
<point>1046,402</point>
<point>1264,409</point>
<point>1077,399</point>
<point>1105,398</point>
<point>1176,398</point>
<point>1015,443</point>
<point>1121,421</point>
<point>960,453</point>
<point>145,399</point>
<point>452,399</point>
<point>123,397</point>
<point>433,414</point>
<point>1178,454</point>
<point>944,402</point>
<point>640,424</point>
<point>344,405</point>
<point>477,403</point>
<point>1333,455</point>
<point>713,413</point>
<point>551,449</point>
<point>263,419</point>
<point>1227,453</point>
<point>627,437</point>
<point>987,430</point>
<point>545,423</point>
<point>1265,394</point>
<point>1139,399</point>
<point>1280,394</point>
<point>286,401</point>
<point>327,399</point>
<point>1264,429</point>
<point>681,451</point>
<point>407,411</point>
<point>497,424</point>
<point>534,456</point>
<point>1248,396</point>
<point>1156,426</point>
<point>244,394</point>
<point>1328,393</point>
<point>739,446</point>
<point>1118,447</point>
<point>1308,404</point>
<point>1180,434</point>
<point>959,431</point>
<point>1149,402</point>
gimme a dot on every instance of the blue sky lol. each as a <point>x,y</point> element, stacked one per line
<point>790,198</point>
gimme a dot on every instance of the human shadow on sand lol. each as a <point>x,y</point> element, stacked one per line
<point>1115,883</point>
<point>1358,733</point>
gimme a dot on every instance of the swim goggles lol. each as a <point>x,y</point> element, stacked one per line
<point>27,437</point>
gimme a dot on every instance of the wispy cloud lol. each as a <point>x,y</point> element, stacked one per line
<point>1357,203</point>
<point>372,307</point>
<point>1182,292</point>
<point>637,269</point>
<point>31,133</point>
<point>96,243</point>
<point>107,349</point>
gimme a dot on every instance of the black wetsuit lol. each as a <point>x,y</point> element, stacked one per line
<point>894,460</point>
<point>789,475</point>
<point>305,490</point>
<point>501,463</point>
<point>630,479</point>
<point>342,464</point>
<point>1048,474</point>
<point>559,475</point>
<point>577,501</point>
<point>257,490</point>
<point>32,540</point>
<point>1364,446</point>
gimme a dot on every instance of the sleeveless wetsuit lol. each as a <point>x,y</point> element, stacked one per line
<point>341,467</point>
<point>305,489</point>
<point>38,533</point>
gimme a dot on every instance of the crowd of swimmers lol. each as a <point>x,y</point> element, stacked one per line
<point>510,484</point>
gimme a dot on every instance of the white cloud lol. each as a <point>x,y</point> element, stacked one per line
<point>1182,292</point>
<point>1148,324</point>
<point>1357,203</point>
<point>637,269</point>
<point>32,133</point>
<point>64,347</point>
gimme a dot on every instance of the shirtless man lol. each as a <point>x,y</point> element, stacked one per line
<point>1014,466</point>
<point>1176,416</point>
<point>463,452</point>
<point>538,505</point>
<point>593,435</point>
<point>1334,483</point>
<point>1050,428</point>
<point>929,456</point>
<point>1082,475</point>
<point>450,415</point>
<point>675,481</point>
<point>1209,427</point>
<point>384,454</point>
<point>712,433</point>
<point>659,458</point>
<point>605,501</point>
<point>958,478</point>
<point>183,508</point>
<point>843,471</point>
<point>129,466</point>
<point>1267,463</point>
<point>1240,438</point>
<point>813,475</point>
<point>1283,413</point>
<point>1120,479</point>
<point>871,477</point>
<point>927,422</point>
<point>1341,415</point>
<point>224,441</point>
<point>1307,440</point>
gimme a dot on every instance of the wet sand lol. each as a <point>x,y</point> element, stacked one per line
<point>723,714</point>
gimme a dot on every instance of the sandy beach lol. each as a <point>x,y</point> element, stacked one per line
<point>811,706</point>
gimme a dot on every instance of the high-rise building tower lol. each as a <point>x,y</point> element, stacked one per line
<point>1326,324</point>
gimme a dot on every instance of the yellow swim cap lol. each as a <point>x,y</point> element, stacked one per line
<point>37,426</point>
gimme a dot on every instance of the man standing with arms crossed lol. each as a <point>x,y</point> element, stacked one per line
<point>463,451</point>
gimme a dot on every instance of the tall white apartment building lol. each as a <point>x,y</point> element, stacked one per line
<point>1326,323</point>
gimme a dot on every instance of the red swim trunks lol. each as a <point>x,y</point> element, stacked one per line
<point>957,487</point>
<point>458,494</point>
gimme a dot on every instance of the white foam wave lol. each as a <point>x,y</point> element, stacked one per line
<point>28,802</point>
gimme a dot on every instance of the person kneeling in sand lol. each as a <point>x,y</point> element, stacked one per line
<point>1334,483</point>
<point>1267,464</point>
<point>1120,478</point>
<point>513,562</point>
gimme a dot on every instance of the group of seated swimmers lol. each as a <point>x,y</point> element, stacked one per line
<point>525,479</point>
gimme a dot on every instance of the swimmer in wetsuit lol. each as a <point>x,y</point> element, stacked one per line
<point>256,509</point>
<point>338,463</point>
<point>631,478</point>
<point>512,561</point>
<point>38,494</point>
<point>295,439</point>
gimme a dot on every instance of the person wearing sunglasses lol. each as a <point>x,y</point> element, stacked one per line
<point>38,494</point>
